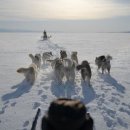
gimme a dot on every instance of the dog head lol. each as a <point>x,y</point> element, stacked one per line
<point>57,63</point>
<point>74,53</point>
<point>50,53</point>
<point>38,55</point>
<point>20,70</point>
<point>108,57</point>
<point>63,54</point>
<point>23,70</point>
<point>85,62</point>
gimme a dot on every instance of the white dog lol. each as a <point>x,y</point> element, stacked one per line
<point>74,56</point>
<point>30,73</point>
<point>58,70</point>
<point>36,60</point>
<point>46,56</point>
<point>106,64</point>
<point>69,69</point>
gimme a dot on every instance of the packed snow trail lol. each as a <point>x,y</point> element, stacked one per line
<point>104,99</point>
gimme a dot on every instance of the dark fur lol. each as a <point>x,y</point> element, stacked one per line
<point>85,70</point>
<point>63,54</point>
<point>103,62</point>
<point>67,114</point>
<point>99,60</point>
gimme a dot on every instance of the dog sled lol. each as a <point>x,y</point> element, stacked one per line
<point>45,37</point>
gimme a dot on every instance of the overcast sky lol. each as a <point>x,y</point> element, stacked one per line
<point>65,15</point>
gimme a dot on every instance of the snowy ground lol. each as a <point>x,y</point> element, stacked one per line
<point>108,99</point>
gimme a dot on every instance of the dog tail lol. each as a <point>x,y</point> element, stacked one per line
<point>79,67</point>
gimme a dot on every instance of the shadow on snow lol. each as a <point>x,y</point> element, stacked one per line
<point>21,89</point>
<point>88,93</point>
<point>112,81</point>
<point>64,90</point>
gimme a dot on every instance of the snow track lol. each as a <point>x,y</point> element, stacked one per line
<point>105,99</point>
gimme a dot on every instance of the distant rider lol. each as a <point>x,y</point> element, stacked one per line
<point>44,35</point>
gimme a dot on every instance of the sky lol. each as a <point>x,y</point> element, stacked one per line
<point>65,15</point>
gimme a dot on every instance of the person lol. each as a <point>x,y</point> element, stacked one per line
<point>67,114</point>
<point>44,35</point>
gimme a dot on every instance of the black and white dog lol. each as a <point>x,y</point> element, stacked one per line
<point>103,62</point>
<point>85,70</point>
<point>63,54</point>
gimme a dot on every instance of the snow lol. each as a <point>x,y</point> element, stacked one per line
<point>107,100</point>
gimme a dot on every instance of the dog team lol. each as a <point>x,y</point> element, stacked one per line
<point>64,66</point>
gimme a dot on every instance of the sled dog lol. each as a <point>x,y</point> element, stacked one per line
<point>74,56</point>
<point>30,73</point>
<point>63,54</point>
<point>103,62</point>
<point>106,65</point>
<point>69,69</point>
<point>36,60</point>
<point>46,56</point>
<point>58,70</point>
<point>85,71</point>
<point>99,60</point>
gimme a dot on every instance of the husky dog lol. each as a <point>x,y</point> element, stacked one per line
<point>106,64</point>
<point>85,70</point>
<point>36,60</point>
<point>46,56</point>
<point>99,60</point>
<point>58,67</point>
<point>63,54</point>
<point>74,56</point>
<point>103,62</point>
<point>30,73</point>
<point>69,69</point>
<point>58,70</point>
